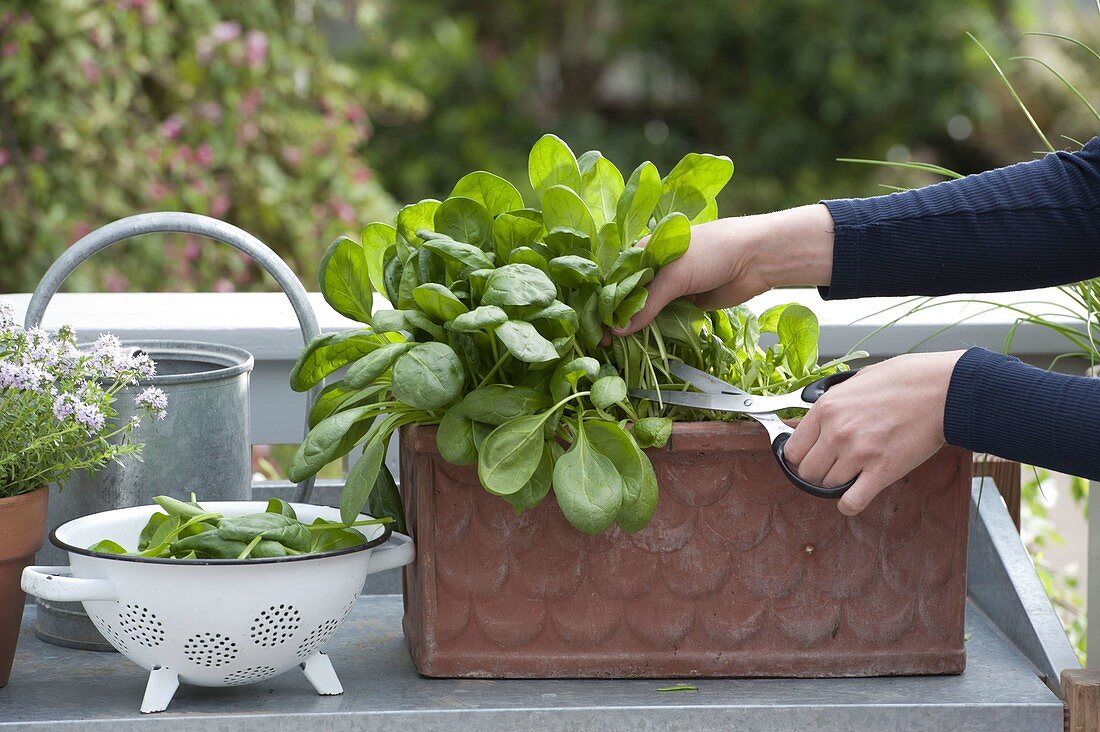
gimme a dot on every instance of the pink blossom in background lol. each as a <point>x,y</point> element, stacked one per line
<point>3,156</point>
<point>251,102</point>
<point>204,155</point>
<point>183,153</point>
<point>80,230</point>
<point>248,132</point>
<point>191,249</point>
<point>226,31</point>
<point>224,285</point>
<point>115,281</point>
<point>219,206</point>
<point>204,49</point>
<point>171,127</point>
<point>158,190</point>
<point>292,155</point>
<point>259,454</point>
<point>319,149</point>
<point>343,210</point>
<point>361,175</point>
<point>211,111</point>
<point>318,211</point>
<point>38,154</point>
<point>355,113</point>
<point>255,45</point>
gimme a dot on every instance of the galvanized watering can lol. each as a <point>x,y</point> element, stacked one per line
<point>204,444</point>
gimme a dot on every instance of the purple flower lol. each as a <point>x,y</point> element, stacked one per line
<point>7,314</point>
<point>155,400</point>
<point>143,365</point>
<point>22,376</point>
<point>64,406</point>
<point>41,348</point>
<point>68,358</point>
<point>111,360</point>
<point>105,343</point>
<point>90,416</point>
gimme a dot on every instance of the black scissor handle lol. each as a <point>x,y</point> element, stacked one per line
<point>810,395</point>
<point>814,490</point>
<point>816,389</point>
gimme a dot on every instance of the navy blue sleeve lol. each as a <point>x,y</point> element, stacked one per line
<point>1033,224</point>
<point>1000,405</point>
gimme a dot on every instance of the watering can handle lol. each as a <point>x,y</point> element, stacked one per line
<point>177,222</point>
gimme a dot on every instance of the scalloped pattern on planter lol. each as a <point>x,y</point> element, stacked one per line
<point>738,574</point>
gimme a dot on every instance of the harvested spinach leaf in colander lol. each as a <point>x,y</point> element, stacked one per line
<point>187,531</point>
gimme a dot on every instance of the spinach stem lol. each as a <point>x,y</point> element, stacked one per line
<point>496,367</point>
<point>248,549</point>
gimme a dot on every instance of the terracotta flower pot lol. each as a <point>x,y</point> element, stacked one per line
<point>739,573</point>
<point>22,528</point>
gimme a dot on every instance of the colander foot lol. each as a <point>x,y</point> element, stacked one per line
<point>318,669</point>
<point>160,689</point>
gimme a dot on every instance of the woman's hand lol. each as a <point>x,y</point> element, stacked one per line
<point>880,425</point>
<point>731,260</point>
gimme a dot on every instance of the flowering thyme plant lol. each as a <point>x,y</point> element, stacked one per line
<point>56,404</point>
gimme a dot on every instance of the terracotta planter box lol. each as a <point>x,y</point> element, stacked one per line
<point>739,573</point>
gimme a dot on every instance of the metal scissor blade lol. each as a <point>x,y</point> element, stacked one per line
<point>692,399</point>
<point>701,379</point>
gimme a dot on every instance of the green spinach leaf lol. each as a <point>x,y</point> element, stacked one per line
<point>524,342</point>
<point>587,485</point>
<point>518,285</point>
<point>552,163</point>
<point>344,279</point>
<point>494,193</point>
<point>428,377</point>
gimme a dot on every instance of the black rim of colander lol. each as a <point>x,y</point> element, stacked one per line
<point>387,532</point>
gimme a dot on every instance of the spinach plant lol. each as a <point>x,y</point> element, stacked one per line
<point>498,310</point>
<point>185,530</point>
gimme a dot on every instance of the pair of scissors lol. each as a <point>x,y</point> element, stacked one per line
<point>721,396</point>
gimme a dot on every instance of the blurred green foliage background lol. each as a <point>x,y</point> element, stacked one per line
<point>301,120</point>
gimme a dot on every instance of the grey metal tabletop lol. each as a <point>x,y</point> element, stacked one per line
<point>58,687</point>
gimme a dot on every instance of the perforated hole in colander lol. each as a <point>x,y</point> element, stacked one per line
<point>275,625</point>
<point>209,649</point>
<point>248,675</point>
<point>348,608</point>
<point>317,637</point>
<point>141,625</point>
<point>116,639</point>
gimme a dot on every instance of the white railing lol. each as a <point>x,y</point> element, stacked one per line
<point>264,325</point>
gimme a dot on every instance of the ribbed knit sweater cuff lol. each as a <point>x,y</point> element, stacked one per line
<point>847,243</point>
<point>958,413</point>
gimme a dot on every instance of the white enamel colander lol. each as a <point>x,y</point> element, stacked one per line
<point>218,622</point>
